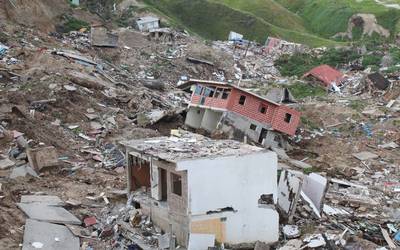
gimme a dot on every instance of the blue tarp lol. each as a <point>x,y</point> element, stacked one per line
<point>3,50</point>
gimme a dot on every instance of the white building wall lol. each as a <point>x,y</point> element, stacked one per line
<point>210,120</point>
<point>237,182</point>
<point>194,117</point>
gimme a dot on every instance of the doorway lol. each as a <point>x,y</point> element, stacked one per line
<point>163,184</point>
<point>263,134</point>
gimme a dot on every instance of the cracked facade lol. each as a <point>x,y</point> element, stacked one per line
<point>202,186</point>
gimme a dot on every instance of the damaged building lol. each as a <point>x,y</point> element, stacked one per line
<point>327,76</point>
<point>218,106</point>
<point>223,189</point>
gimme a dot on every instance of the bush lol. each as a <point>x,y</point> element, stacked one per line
<point>302,90</point>
<point>72,24</point>
<point>371,60</point>
<point>298,64</point>
<point>3,37</point>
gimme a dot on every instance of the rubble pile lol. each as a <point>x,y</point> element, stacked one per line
<point>67,102</point>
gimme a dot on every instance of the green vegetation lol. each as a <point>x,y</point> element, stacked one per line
<point>3,37</point>
<point>72,24</point>
<point>304,21</point>
<point>302,90</point>
<point>298,64</point>
<point>371,60</point>
<point>214,19</point>
<point>326,17</point>
<point>358,105</point>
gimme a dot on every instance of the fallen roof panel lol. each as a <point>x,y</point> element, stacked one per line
<point>47,236</point>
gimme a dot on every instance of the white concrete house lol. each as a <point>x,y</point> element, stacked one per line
<point>147,23</point>
<point>222,189</point>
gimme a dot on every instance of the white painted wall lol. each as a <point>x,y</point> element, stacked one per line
<point>238,182</point>
<point>210,120</point>
<point>193,118</point>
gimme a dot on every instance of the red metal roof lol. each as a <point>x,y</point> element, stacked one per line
<point>326,74</point>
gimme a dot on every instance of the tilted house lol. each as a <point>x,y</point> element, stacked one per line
<point>238,112</point>
<point>221,188</point>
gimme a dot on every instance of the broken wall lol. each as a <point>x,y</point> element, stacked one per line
<point>229,189</point>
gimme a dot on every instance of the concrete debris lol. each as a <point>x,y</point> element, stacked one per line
<point>45,208</point>
<point>291,231</point>
<point>365,155</point>
<point>40,158</point>
<point>87,81</point>
<point>101,37</point>
<point>315,187</point>
<point>5,163</point>
<point>22,171</point>
<point>197,60</point>
<point>49,200</point>
<point>292,245</point>
<point>289,188</point>
<point>48,236</point>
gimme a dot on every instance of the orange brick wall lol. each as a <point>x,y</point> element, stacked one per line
<point>281,125</point>
<point>210,102</point>
<point>251,107</point>
<point>274,115</point>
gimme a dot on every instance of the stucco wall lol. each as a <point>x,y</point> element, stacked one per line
<point>236,182</point>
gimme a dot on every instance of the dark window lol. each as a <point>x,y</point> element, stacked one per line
<point>176,184</point>
<point>288,117</point>
<point>226,93</point>
<point>242,99</point>
<point>218,93</point>
<point>209,92</point>
<point>198,90</point>
<point>253,126</point>
<point>263,109</point>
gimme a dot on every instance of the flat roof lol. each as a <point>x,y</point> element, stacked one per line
<point>189,146</point>
<point>147,19</point>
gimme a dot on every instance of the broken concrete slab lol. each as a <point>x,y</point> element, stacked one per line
<point>86,80</point>
<point>43,212</point>
<point>300,164</point>
<point>315,187</point>
<point>5,163</point>
<point>365,155</point>
<point>50,236</point>
<point>289,188</point>
<point>101,37</point>
<point>50,200</point>
<point>390,145</point>
<point>292,245</point>
<point>22,171</point>
<point>42,157</point>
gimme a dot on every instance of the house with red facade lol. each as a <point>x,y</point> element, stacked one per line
<point>218,106</point>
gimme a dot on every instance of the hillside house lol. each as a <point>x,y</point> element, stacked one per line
<point>147,23</point>
<point>217,106</point>
<point>221,188</point>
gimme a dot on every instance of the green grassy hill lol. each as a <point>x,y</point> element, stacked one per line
<point>311,22</point>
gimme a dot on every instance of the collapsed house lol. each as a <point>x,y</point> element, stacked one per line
<point>218,106</point>
<point>147,23</point>
<point>328,76</point>
<point>223,189</point>
<point>276,45</point>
